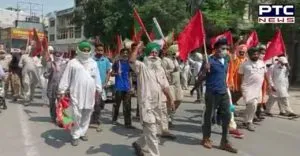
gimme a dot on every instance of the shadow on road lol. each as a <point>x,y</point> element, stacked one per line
<point>56,138</point>
<point>182,139</point>
<point>112,150</point>
<point>187,128</point>
<point>130,133</point>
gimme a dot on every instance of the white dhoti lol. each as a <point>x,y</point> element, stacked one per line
<point>250,110</point>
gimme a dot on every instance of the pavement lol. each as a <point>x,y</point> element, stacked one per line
<point>27,131</point>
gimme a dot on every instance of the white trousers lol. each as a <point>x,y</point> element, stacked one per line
<point>250,110</point>
<point>30,80</point>
<point>82,119</point>
<point>164,118</point>
<point>149,139</point>
<point>44,84</point>
<point>283,104</point>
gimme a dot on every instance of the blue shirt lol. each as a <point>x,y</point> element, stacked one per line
<point>122,82</point>
<point>216,78</point>
<point>104,66</point>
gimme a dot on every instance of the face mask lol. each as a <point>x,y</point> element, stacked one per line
<point>58,58</point>
<point>223,53</point>
<point>98,55</point>
<point>83,56</point>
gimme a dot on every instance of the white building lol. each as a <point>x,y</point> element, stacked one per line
<point>61,33</point>
<point>8,17</point>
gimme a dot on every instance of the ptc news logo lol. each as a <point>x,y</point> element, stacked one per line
<point>276,13</point>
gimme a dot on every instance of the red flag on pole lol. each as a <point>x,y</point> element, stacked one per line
<point>38,45</point>
<point>192,36</point>
<point>226,35</point>
<point>276,47</point>
<point>252,40</point>
<point>139,27</point>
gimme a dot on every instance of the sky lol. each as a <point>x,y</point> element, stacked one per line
<point>48,5</point>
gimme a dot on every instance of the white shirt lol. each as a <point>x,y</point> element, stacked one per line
<point>82,79</point>
<point>253,78</point>
<point>278,77</point>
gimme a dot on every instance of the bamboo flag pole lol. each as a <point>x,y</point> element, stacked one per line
<point>204,39</point>
<point>158,27</point>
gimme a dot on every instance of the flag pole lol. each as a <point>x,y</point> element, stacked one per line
<point>204,39</point>
<point>158,27</point>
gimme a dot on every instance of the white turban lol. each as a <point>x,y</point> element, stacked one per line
<point>283,60</point>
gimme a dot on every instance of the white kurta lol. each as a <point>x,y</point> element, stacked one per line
<point>278,77</point>
<point>253,77</point>
<point>82,79</point>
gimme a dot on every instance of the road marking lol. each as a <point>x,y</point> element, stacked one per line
<point>30,149</point>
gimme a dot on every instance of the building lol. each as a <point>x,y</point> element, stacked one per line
<point>8,17</point>
<point>61,32</point>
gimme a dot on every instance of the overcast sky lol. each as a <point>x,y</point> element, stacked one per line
<point>48,5</point>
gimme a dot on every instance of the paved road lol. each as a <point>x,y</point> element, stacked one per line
<point>27,131</point>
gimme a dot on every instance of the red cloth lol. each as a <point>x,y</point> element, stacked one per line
<point>226,35</point>
<point>38,47</point>
<point>192,36</point>
<point>252,40</point>
<point>276,46</point>
<point>138,28</point>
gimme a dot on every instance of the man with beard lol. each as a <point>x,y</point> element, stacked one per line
<point>54,74</point>
<point>171,67</point>
<point>104,68</point>
<point>252,73</point>
<point>278,76</point>
<point>81,77</point>
<point>121,71</point>
<point>30,77</point>
<point>152,84</point>
<point>216,95</point>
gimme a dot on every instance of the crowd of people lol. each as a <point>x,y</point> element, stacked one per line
<point>159,77</point>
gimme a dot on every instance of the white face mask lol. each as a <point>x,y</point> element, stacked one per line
<point>58,59</point>
<point>261,56</point>
<point>84,56</point>
<point>223,53</point>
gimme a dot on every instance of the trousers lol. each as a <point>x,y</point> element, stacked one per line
<point>16,84</point>
<point>30,80</point>
<point>149,139</point>
<point>125,97</point>
<point>219,102</point>
<point>81,122</point>
<point>283,104</point>
<point>99,105</point>
<point>250,110</point>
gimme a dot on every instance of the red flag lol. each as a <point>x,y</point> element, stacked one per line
<point>38,46</point>
<point>252,40</point>
<point>226,35</point>
<point>139,27</point>
<point>192,36</point>
<point>276,47</point>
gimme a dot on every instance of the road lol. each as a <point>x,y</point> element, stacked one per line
<point>27,131</point>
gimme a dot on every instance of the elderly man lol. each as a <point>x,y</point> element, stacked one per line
<point>152,83</point>
<point>30,77</point>
<point>81,77</point>
<point>171,67</point>
<point>253,74</point>
<point>278,76</point>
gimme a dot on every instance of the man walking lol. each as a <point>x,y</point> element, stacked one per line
<point>216,96</point>
<point>82,79</point>
<point>150,91</point>
<point>121,71</point>
<point>104,68</point>
<point>252,73</point>
<point>278,77</point>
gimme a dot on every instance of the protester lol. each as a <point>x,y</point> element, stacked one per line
<point>216,96</point>
<point>278,77</point>
<point>4,62</point>
<point>30,77</point>
<point>104,68</point>
<point>196,61</point>
<point>15,77</point>
<point>151,87</point>
<point>171,67</point>
<point>82,79</point>
<point>253,73</point>
<point>54,74</point>
<point>121,71</point>
<point>184,74</point>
